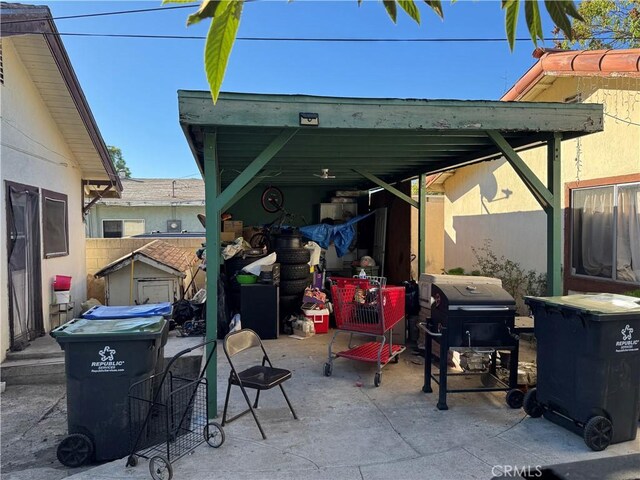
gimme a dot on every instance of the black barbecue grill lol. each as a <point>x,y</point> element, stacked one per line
<point>479,321</point>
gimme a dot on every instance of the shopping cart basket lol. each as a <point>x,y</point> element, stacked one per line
<point>366,307</point>
<point>169,417</point>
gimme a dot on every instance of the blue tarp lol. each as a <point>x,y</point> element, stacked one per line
<point>341,235</point>
<point>101,312</point>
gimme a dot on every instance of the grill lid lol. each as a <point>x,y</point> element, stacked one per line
<point>472,295</point>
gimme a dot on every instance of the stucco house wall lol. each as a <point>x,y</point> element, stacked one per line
<point>155,217</point>
<point>34,152</point>
<point>489,201</point>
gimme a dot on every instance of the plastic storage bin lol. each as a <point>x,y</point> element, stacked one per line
<point>102,360</point>
<point>101,312</point>
<point>588,365</point>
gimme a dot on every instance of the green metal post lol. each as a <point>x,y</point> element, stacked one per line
<point>554,217</point>
<point>422,224</point>
<point>212,191</point>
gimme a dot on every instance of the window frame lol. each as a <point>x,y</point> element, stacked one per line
<point>56,197</point>
<point>122,220</point>
<point>582,282</point>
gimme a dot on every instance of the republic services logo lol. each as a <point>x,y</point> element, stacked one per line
<point>626,333</point>
<point>107,353</point>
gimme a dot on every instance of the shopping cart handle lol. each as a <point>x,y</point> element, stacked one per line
<point>423,326</point>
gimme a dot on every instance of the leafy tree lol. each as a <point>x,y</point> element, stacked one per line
<point>118,161</point>
<point>226,20</point>
<point>607,24</point>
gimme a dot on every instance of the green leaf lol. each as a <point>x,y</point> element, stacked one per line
<point>410,7</point>
<point>436,6</point>
<point>558,15</point>
<point>390,6</point>
<point>534,23</point>
<point>571,10</point>
<point>208,9</point>
<point>512,8</point>
<point>217,49</point>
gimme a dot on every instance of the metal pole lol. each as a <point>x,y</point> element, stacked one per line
<point>554,216</point>
<point>422,224</point>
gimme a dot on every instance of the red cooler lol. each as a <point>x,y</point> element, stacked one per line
<point>320,319</point>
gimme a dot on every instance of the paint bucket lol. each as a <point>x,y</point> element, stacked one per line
<point>62,296</point>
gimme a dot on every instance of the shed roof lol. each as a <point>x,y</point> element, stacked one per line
<point>159,254</point>
<point>393,139</point>
<point>35,37</point>
<point>159,191</point>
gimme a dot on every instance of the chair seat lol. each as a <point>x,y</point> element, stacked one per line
<point>262,378</point>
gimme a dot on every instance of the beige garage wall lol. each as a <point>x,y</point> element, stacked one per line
<point>102,251</point>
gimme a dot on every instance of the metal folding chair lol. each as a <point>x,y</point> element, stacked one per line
<point>258,377</point>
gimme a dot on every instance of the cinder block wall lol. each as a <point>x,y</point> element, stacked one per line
<point>103,251</point>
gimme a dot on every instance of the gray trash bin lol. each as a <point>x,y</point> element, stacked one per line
<point>102,359</point>
<point>588,365</point>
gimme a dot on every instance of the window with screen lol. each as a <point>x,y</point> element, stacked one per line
<point>122,228</point>
<point>605,233</point>
<point>55,224</point>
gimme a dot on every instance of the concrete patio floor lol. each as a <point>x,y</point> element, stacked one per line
<point>347,431</point>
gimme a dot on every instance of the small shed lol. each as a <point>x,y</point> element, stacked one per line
<point>158,272</point>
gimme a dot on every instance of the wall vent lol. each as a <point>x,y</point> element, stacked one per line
<point>174,226</point>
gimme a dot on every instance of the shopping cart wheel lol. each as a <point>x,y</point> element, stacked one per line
<point>598,433</point>
<point>395,358</point>
<point>75,450</point>
<point>132,461</point>
<point>327,369</point>
<point>377,380</point>
<point>531,405</point>
<point>160,468</point>
<point>214,434</point>
<point>515,397</point>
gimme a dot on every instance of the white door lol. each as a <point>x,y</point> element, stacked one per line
<point>156,291</point>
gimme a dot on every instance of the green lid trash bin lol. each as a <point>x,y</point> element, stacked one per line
<point>588,365</point>
<point>102,359</point>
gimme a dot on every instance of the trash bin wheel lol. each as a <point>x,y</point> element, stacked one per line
<point>515,397</point>
<point>531,405</point>
<point>160,468</point>
<point>598,432</point>
<point>327,369</point>
<point>75,450</point>
<point>132,461</point>
<point>214,434</point>
<point>377,380</point>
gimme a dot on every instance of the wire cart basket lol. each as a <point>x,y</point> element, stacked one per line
<point>169,417</point>
<point>367,307</point>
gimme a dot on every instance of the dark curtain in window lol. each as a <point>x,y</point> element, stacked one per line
<point>55,224</point>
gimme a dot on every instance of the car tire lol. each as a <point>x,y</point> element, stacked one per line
<point>293,256</point>
<point>294,272</point>
<point>293,287</point>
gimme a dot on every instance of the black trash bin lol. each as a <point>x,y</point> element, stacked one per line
<point>102,359</point>
<point>588,365</point>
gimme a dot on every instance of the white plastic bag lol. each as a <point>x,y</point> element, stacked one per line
<point>235,324</point>
<point>315,253</point>
<point>254,267</point>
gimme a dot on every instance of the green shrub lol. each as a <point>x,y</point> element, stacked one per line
<point>633,293</point>
<point>515,280</point>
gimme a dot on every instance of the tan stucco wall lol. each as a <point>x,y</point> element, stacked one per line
<point>102,251</point>
<point>489,201</point>
<point>34,152</point>
<point>434,242</point>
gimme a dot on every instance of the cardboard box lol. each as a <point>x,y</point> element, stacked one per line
<point>227,236</point>
<point>234,226</point>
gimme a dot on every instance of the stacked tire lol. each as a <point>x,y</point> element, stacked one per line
<point>294,278</point>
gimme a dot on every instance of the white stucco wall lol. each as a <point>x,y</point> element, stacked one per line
<point>35,153</point>
<point>489,201</point>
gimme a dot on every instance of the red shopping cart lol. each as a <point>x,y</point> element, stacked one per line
<point>366,307</point>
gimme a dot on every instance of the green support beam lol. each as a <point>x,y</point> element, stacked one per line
<point>554,217</point>
<point>533,183</point>
<point>422,223</point>
<point>389,188</point>
<point>255,166</point>
<point>212,210</point>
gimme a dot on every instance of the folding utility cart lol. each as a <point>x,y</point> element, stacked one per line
<point>366,307</point>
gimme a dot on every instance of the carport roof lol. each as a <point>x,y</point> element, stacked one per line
<point>392,139</point>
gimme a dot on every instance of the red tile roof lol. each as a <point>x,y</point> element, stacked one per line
<point>592,63</point>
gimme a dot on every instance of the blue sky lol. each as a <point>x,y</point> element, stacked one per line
<point>131,84</point>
